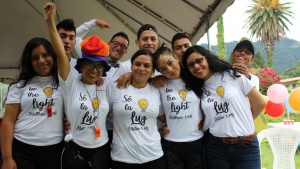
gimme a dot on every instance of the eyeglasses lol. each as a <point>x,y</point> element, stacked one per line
<point>116,44</point>
<point>191,65</point>
<point>91,66</point>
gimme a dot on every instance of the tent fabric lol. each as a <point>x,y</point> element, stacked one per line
<point>22,20</point>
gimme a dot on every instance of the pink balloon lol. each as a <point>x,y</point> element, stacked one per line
<point>277,93</point>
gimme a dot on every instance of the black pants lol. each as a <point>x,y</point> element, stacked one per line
<point>183,155</point>
<point>155,164</point>
<point>36,157</point>
<point>96,158</point>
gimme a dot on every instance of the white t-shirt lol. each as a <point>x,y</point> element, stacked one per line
<point>226,105</point>
<point>135,135</point>
<point>33,126</point>
<point>182,110</point>
<point>79,109</point>
<point>255,80</point>
<point>72,66</point>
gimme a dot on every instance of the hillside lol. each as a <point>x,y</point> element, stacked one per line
<point>286,53</point>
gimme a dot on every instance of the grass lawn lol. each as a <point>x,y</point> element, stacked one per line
<point>267,156</point>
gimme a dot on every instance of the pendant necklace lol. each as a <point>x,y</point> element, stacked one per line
<point>48,91</point>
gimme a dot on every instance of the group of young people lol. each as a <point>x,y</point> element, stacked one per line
<point>193,92</point>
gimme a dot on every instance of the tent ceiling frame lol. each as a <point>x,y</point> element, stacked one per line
<point>108,6</point>
<point>205,17</point>
<point>155,15</point>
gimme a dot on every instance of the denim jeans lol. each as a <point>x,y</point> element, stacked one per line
<point>232,156</point>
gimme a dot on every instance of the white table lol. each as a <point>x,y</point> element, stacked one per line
<point>296,125</point>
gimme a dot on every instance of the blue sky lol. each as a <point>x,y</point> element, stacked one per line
<point>234,19</point>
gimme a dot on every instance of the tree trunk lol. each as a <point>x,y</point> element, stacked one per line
<point>270,58</point>
<point>220,38</point>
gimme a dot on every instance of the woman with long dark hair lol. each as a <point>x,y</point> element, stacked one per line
<point>32,128</point>
<point>224,93</point>
<point>183,144</point>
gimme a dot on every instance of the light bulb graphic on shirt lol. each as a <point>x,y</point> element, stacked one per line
<point>182,94</point>
<point>96,102</point>
<point>143,103</point>
<point>220,91</point>
<point>48,91</point>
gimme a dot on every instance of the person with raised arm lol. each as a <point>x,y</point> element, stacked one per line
<point>86,106</point>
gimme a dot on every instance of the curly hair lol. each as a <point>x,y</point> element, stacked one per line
<point>215,64</point>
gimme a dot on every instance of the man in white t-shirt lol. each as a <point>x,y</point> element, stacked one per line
<point>242,56</point>
<point>67,33</point>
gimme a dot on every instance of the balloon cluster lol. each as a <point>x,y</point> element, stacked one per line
<point>279,99</point>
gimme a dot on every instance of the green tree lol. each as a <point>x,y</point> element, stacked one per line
<point>267,22</point>
<point>292,72</point>
<point>220,37</point>
<point>258,60</point>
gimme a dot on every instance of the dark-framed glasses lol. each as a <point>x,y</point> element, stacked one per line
<point>91,66</point>
<point>191,65</point>
<point>116,44</point>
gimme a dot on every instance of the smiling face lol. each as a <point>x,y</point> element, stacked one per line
<point>142,69</point>
<point>168,66</point>
<point>198,66</point>
<point>42,62</point>
<point>117,48</point>
<point>148,40</point>
<point>91,71</point>
<point>242,55</point>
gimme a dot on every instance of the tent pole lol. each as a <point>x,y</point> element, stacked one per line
<point>207,33</point>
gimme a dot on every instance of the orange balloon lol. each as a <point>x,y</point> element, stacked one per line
<point>294,99</point>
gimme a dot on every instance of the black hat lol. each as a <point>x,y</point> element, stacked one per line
<point>245,43</point>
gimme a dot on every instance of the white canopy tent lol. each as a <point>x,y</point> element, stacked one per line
<point>22,20</point>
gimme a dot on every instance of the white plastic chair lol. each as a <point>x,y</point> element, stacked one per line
<point>283,143</point>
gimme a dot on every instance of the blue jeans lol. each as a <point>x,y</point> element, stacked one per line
<point>232,156</point>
